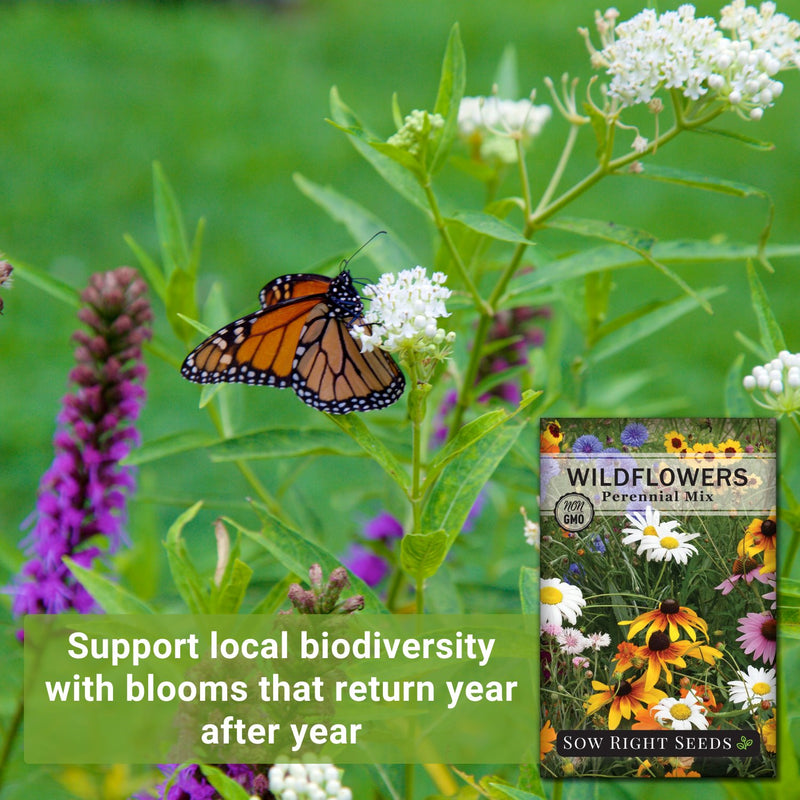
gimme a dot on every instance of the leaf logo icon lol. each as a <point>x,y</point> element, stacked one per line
<point>744,743</point>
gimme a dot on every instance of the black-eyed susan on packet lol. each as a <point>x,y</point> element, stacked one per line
<point>658,597</point>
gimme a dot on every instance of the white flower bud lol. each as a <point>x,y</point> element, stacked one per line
<point>776,387</point>
<point>749,383</point>
<point>763,381</point>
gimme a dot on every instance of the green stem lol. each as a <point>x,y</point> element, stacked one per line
<point>523,177</point>
<point>555,179</point>
<point>558,788</point>
<point>395,584</point>
<point>11,735</point>
<point>796,424</point>
<point>544,210</point>
<point>417,407</point>
<point>409,787</point>
<point>441,226</point>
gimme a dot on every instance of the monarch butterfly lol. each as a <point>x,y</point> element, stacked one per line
<point>300,337</point>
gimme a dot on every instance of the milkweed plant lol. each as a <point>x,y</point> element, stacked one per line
<point>477,329</point>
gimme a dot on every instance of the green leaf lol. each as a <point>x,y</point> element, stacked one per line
<point>229,596</point>
<point>353,426</point>
<point>488,225</point>
<point>529,591</point>
<point>209,391</point>
<point>736,404</point>
<point>530,780</point>
<point>707,183</point>
<point>696,180</point>
<point>517,794</point>
<point>226,786</point>
<point>466,437</point>
<point>400,156</point>
<point>448,99</point>
<point>170,445</point>
<point>640,242</point>
<point>397,114</point>
<point>599,127</point>
<point>283,443</point>
<point>771,335</point>
<point>528,287</point>
<point>276,596</point>
<point>188,582</point>
<point>152,271</point>
<point>297,554</point>
<point>393,173</point>
<point>193,264</point>
<point>181,303</point>
<point>110,596</point>
<point>169,223</point>
<point>648,324</point>
<point>462,480</point>
<point>505,78</point>
<point>421,554</point>
<point>609,231</point>
<point>387,252</point>
<point>47,283</point>
<point>748,141</point>
<point>198,326</point>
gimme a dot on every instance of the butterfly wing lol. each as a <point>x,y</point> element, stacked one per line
<point>291,287</point>
<point>301,338</point>
<point>331,374</point>
<point>257,349</point>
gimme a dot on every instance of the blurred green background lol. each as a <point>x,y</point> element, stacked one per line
<point>232,100</point>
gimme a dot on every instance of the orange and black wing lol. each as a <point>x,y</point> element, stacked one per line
<point>258,349</point>
<point>331,374</point>
<point>291,287</point>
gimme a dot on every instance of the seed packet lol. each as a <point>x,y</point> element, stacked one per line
<point>658,598</point>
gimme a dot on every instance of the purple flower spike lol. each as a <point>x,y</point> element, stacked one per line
<point>83,493</point>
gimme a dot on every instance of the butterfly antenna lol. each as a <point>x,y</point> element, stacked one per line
<point>371,239</point>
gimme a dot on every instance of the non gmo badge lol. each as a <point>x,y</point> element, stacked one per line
<point>573,512</point>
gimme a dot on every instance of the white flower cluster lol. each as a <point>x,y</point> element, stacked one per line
<point>307,782</point>
<point>677,50</point>
<point>779,382</point>
<point>413,131</point>
<point>404,313</point>
<point>492,124</point>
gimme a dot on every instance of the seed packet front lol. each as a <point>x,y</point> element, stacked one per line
<point>658,598</point>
